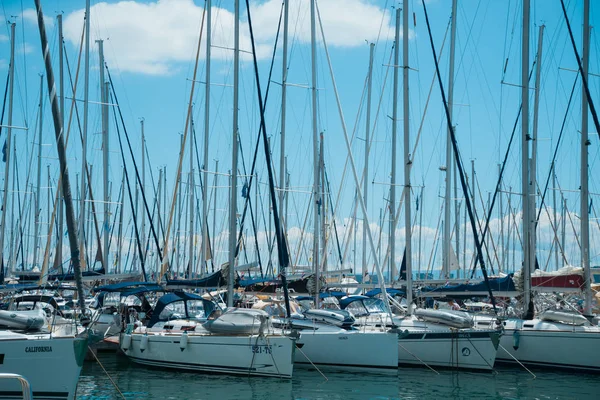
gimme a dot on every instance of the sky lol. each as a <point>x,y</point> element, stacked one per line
<point>150,49</point>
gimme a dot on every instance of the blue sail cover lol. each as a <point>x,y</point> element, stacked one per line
<point>390,291</point>
<point>214,280</point>
<point>504,284</point>
<point>129,286</point>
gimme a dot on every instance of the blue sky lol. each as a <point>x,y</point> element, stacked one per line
<point>150,49</point>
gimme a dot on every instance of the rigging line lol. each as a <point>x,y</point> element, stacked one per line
<point>583,77</point>
<point>120,203</point>
<point>126,263</point>
<point>555,232</point>
<point>282,249</point>
<point>4,104</point>
<point>414,149</point>
<point>88,180</point>
<point>459,164</point>
<point>335,230</point>
<point>137,173</point>
<point>165,264</point>
<point>262,275</point>
<point>500,176</point>
<point>553,162</point>
<point>208,241</point>
<point>567,213</point>
<point>154,189</point>
<point>253,168</point>
<point>133,212</point>
<point>20,246</point>
<point>44,271</point>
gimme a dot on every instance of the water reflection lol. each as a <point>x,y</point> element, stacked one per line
<point>137,382</point>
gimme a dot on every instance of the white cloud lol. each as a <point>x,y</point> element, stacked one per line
<point>26,48</point>
<point>155,38</point>
<point>29,15</point>
<point>3,38</point>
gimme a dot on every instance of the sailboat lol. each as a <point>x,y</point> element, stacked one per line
<point>556,339</point>
<point>32,353</point>
<point>200,337</point>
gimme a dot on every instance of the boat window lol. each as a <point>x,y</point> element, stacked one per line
<point>195,309</point>
<point>112,299</point>
<point>25,306</point>
<point>357,308</point>
<point>374,305</point>
<point>174,310</point>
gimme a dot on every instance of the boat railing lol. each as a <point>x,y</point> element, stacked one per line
<point>25,387</point>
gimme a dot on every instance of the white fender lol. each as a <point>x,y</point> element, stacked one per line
<point>144,342</point>
<point>126,343</point>
<point>184,341</point>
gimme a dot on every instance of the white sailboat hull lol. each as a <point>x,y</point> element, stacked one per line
<point>270,355</point>
<point>342,348</point>
<point>422,343</point>
<point>51,365</point>
<point>551,344</point>
<point>457,349</point>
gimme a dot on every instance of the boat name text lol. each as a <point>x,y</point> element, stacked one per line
<point>38,349</point>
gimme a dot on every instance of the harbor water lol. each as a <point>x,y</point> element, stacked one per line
<point>139,382</point>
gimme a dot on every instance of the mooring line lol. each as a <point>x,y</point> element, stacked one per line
<point>106,372</point>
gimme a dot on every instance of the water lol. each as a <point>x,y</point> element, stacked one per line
<point>137,382</point>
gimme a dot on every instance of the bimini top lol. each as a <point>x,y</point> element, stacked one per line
<point>350,299</point>
<point>180,305</point>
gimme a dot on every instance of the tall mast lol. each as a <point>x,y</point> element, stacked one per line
<point>105,166</point>
<point>204,225</point>
<point>585,223</point>
<point>191,205</point>
<point>284,67</point>
<point>158,218</point>
<point>11,79</point>
<point>407,184</point>
<point>322,188</point>
<point>555,217</point>
<point>66,186</point>
<point>233,201</point>
<point>316,196</point>
<point>502,267</point>
<point>36,236</point>
<point>85,132</point>
<point>533,168</point>
<point>59,242</point>
<point>392,205</point>
<point>120,237</point>
<point>367,144</point>
<point>214,222</point>
<point>527,267</point>
<point>143,188</point>
<point>449,161</point>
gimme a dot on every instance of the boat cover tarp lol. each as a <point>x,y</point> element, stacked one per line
<point>126,286</point>
<point>390,291</point>
<point>565,277</point>
<point>214,280</point>
<point>503,284</point>
<point>332,293</point>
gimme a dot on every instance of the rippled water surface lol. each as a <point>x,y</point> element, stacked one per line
<point>137,382</point>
